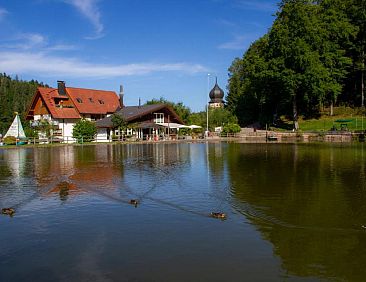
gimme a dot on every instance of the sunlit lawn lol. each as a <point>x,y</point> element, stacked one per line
<point>326,123</point>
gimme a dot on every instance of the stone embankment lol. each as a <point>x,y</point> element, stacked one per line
<point>251,135</point>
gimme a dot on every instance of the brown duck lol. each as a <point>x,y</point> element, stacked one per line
<point>134,202</point>
<point>219,215</point>
<point>8,211</point>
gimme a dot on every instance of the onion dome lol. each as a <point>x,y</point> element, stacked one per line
<point>216,94</point>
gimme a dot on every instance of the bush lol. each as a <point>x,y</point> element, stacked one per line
<point>84,131</point>
<point>30,132</point>
<point>184,131</point>
<point>231,128</point>
<point>10,140</point>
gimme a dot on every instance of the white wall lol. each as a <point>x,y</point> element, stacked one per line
<point>102,135</point>
<point>67,125</point>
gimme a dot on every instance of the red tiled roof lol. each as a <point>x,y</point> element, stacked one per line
<point>86,101</point>
<point>48,95</point>
<point>93,101</point>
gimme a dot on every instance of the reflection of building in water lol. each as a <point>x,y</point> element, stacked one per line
<point>16,161</point>
<point>161,154</point>
<point>308,202</point>
<point>66,170</point>
<point>96,166</point>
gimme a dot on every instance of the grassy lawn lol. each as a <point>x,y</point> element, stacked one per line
<point>325,123</point>
<point>344,117</point>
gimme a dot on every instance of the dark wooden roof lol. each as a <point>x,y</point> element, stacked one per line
<point>136,114</point>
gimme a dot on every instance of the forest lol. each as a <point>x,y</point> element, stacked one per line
<point>15,96</point>
<point>310,60</point>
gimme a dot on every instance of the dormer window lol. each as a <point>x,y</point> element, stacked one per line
<point>91,100</point>
<point>79,100</point>
<point>101,102</point>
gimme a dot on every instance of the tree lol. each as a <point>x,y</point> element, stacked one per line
<point>231,128</point>
<point>300,65</point>
<point>44,128</point>
<point>15,96</point>
<point>356,12</point>
<point>84,131</point>
<point>219,117</point>
<point>119,122</point>
<point>198,118</point>
<point>181,110</point>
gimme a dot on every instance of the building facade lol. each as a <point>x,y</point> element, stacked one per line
<point>63,107</point>
<point>147,122</point>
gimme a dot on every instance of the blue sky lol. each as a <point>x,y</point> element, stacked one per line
<point>154,48</point>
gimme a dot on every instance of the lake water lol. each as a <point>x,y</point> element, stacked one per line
<point>295,212</point>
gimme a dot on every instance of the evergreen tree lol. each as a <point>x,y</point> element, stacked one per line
<point>15,96</point>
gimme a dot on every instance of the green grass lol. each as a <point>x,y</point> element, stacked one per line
<point>356,117</point>
<point>325,123</point>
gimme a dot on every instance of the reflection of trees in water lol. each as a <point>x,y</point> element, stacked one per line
<point>5,171</point>
<point>308,201</point>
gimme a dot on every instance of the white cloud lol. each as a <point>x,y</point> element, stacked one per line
<point>3,13</point>
<point>256,5</point>
<point>240,42</point>
<point>61,47</point>
<point>24,41</point>
<point>226,23</point>
<point>90,10</point>
<point>33,41</point>
<point>53,66</point>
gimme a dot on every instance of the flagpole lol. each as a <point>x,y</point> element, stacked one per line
<point>16,139</point>
<point>208,89</point>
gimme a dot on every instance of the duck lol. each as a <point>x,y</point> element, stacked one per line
<point>8,211</point>
<point>219,215</point>
<point>134,202</point>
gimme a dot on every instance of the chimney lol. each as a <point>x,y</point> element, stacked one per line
<point>61,87</point>
<point>139,102</point>
<point>121,94</point>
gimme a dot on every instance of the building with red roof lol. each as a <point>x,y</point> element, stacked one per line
<point>65,106</point>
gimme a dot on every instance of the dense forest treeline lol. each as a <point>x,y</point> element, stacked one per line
<point>313,57</point>
<point>15,96</point>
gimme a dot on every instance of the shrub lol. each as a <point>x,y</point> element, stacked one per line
<point>84,131</point>
<point>231,128</point>
<point>10,140</point>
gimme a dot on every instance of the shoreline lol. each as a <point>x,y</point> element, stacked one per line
<point>281,138</point>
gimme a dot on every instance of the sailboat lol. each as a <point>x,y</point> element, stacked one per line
<point>16,130</point>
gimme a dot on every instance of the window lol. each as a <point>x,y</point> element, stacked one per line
<point>79,100</point>
<point>91,100</point>
<point>101,102</point>
<point>159,117</point>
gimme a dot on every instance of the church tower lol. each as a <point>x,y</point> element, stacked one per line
<point>216,97</point>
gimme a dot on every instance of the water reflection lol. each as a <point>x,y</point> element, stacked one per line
<point>302,203</point>
<point>308,201</point>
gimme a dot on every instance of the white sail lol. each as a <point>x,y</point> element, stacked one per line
<point>16,129</point>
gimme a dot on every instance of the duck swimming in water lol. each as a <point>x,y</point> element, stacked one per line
<point>8,211</point>
<point>219,215</point>
<point>134,202</point>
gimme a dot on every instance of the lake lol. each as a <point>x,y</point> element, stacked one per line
<point>295,212</point>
